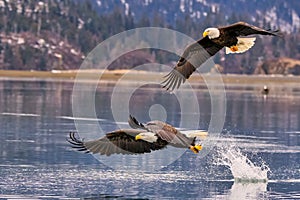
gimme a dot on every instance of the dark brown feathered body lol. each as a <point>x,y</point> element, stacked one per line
<point>225,39</point>
<point>199,52</point>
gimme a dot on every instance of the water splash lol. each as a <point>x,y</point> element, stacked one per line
<point>241,167</point>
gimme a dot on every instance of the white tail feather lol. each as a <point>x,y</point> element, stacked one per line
<point>243,45</point>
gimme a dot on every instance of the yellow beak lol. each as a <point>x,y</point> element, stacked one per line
<point>205,33</point>
<point>138,137</point>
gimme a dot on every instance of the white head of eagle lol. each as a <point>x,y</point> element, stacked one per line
<point>147,136</point>
<point>212,33</point>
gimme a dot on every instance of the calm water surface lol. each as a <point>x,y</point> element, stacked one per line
<point>36,162</point>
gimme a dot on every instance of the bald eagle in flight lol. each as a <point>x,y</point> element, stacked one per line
<point>142,138</point>
<point>214,39</point>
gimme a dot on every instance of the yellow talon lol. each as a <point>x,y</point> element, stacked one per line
<point>234,48</point>
<point>196,148</point>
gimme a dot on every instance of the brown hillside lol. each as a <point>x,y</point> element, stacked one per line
<point>279,66</point>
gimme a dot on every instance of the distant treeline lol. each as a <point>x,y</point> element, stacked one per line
<point>80,27</point>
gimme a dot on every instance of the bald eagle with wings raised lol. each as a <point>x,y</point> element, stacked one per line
<point>231,37</point>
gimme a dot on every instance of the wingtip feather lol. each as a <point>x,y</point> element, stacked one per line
<point>76,143</point>
<point>172,81</point>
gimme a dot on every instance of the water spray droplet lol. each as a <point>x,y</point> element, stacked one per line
<point>242,168</point>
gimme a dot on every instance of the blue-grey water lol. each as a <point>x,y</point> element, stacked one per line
<point>36,162</point>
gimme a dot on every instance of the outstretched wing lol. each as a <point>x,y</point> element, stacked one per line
<point>193,56</point>
<point>134,123</point>
<point>244,29</point>
<point>117,142</point>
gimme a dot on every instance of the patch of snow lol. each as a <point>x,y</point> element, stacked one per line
<point>285,26</point>
<point>191,6</point>
<point>81,23</point>
<point>39,7</point>
<point>28,12</point>
<point>41,3</point>
<point>126,9</point>
<point>19,8</point>
<point>99,3</point>
<point>20,40</point>
<point>73,51</point>
<point>2,4</point>
<point>9,7</point>
<point>41,42</point>
<point>57,55</point>
<point>198,14</point>
<point>193,15</point>
<point>202,2</point>
<point>271,16</point>
<point>147,2</point>
<point>215,8</point>
<point>14,37</point>
<point>295,20</point>
<point>182,6</point>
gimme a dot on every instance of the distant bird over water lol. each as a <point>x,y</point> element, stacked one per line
<point>214,39</point>
<point>142,138</point>
<point>265,90</point>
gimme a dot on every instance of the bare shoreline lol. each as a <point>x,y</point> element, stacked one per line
<point>133,75</point>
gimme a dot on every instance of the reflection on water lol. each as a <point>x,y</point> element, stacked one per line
<point>36,161</point>
<point>250,191</point>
